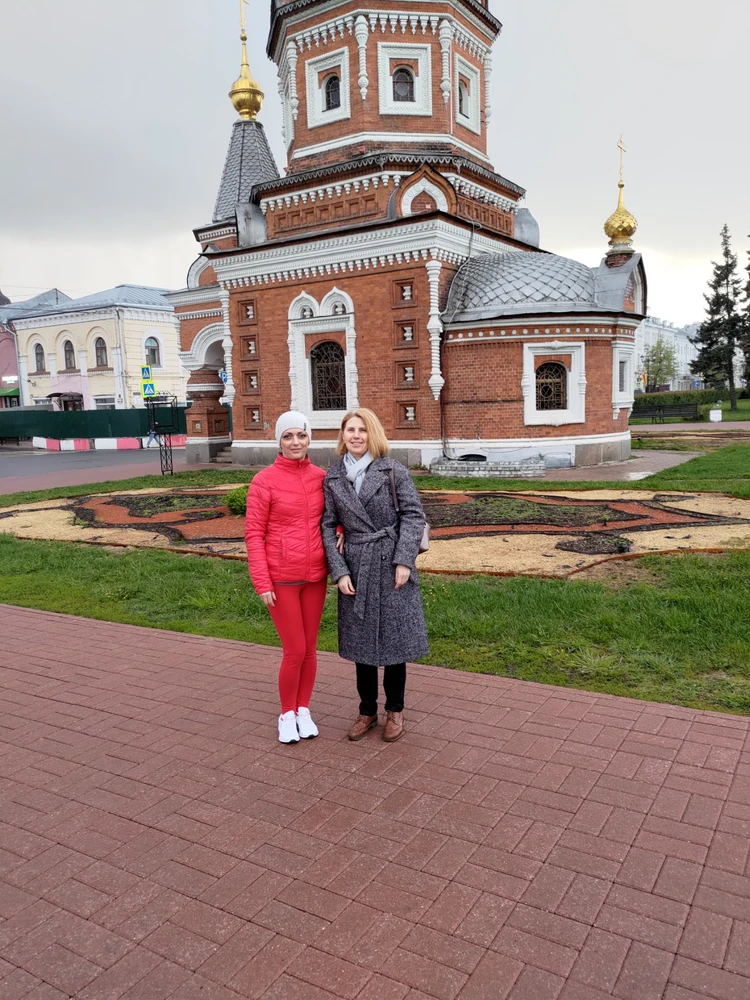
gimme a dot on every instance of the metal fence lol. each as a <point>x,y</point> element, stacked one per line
<point>65,424</point>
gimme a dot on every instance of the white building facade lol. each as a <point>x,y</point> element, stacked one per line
<point>87,353</point>
<point>650,331</point>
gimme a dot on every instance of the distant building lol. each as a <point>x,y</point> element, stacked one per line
<point>10,393</point>
<point>649,332</point>
<point>87,353</point>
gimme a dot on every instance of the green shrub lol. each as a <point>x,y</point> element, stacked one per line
<point>700,396</point>
<point>237,500</point>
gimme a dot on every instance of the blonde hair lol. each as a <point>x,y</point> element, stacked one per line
<point>377,442</point>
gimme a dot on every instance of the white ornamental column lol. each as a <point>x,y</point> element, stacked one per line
<point>226,343</point>
<point>487,89</point>
<point>291,58</point>
<point>362,33</point>
<point>445,35</point>
<point>435,327</point>
<point>351,366</point>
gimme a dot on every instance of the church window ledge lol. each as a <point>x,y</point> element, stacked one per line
<point>406,375</point>
<point>404,79</point>
<point>250,383</point>
<point>404,295</point>
<point>253,418</point>
<point>100,369</point>
<point>248,312</point>
<point>405,334</point>
<point>248,348</point>
<point>320,72</point>
<point>407,414</point>
<point>468,90</point>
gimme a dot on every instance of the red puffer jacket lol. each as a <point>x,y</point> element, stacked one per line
<point>282,524</point>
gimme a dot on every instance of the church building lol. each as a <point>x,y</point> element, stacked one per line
<point>391,266</point>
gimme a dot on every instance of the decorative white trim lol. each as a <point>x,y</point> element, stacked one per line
<point>195,270</point>
<point>193,296</point>
<point>435,327</point>
<point>229,389</point>
<point>195,358</point>
<point>339,254</point>
<point>425,186</point>
<point>480,193</point>
<point>159,338</point>
<point>487,87</point>
<point>362,34</point>
<point>512,328</point>
<point>291,58</point>
<point>390,137</point>
<point>446,36</point>
<point>209,232</point>
<point>422,103</point>
<point>473,120</point>
<point>299,364</point>
<point>623,352</point>
<point>575,412</point>
<point>336,27</point>
<point>337,61</point>
<point>330,191</point>
<point>200,314</point>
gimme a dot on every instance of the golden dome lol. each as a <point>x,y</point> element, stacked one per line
<point>246,95</point>
<point>621,225</point>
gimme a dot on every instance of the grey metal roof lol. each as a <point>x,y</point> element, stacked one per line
<point>513,283</point>
<point>122,295</point>
<point>52,297</point>
<point>249,162</point>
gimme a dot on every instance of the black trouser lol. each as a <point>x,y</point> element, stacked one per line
<point>394,683</point>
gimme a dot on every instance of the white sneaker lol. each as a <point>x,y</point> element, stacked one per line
<point>288,728</point>
<point>307,728</point>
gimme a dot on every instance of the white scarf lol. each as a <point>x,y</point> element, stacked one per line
<point>356,469</point>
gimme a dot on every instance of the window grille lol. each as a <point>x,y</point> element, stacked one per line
<point>100,348</point>
<point>552,386</point>
<point>623,376</point>
<point>39,357</point>
<point>153,352</point>
<point>328,374</point>
<point>403,85</point>
<point>332,93</point>
<point>70,355</point>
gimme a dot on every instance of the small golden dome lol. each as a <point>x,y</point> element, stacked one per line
<point>621,225</point>
<point>246,95</point>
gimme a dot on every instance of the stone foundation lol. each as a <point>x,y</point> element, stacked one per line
<point>527,468</point>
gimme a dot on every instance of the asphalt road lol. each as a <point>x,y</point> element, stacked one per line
<point>41,470</point>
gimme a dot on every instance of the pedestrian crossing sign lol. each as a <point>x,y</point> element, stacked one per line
<point>145,373</point>
<point>148,390</point>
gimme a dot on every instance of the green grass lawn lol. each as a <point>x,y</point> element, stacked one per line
<point>678,634</point>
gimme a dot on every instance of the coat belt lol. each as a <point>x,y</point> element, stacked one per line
<point>372,542</point>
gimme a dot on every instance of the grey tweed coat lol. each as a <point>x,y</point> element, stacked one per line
<point>380,625</point>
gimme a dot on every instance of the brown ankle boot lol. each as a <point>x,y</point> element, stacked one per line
<point>362,725</point>
<point>394,726</point>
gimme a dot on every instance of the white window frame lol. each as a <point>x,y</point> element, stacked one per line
<point>403,52</point>
<point>160,341</point>
<point>473,120</point>
<point>575,412</point>
<point>338,62</point>
<point>300,370</point>
<point>108,401</point>
<point>623,351</point>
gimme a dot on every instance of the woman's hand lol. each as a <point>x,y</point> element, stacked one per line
<point>340,542</point>
<point>344,583</point>
<point>269,598</point>
<point>403,575</point>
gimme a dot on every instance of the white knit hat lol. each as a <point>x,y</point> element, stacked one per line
<point>289,420</point>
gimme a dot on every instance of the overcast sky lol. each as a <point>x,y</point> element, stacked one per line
<point>114,122</point>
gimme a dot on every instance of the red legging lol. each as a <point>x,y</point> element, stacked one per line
<point>296,615</point>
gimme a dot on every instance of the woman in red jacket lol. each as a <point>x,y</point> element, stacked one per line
<point>288,565</point>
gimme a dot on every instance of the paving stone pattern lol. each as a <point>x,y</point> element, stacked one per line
<point>521,842</point>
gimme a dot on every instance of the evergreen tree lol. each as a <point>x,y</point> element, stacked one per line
<point>660,364</point>
<point>724,331</point>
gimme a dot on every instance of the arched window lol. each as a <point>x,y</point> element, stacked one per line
<point>332,92</point>
<point>100,347</point>
<point>328,374</point>
<point>463,99</point>
<point>39,357</point>
<point>552,386</point>
<point>153,352</point>
<point>403,84</point>
<point>69,354</point>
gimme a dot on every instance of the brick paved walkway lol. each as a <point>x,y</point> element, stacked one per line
<point>521,842</point>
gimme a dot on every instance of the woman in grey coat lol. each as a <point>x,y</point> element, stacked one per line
<point>381,619</point>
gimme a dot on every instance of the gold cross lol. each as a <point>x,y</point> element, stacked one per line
<point>621,147</point>
<point>242,13</point>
